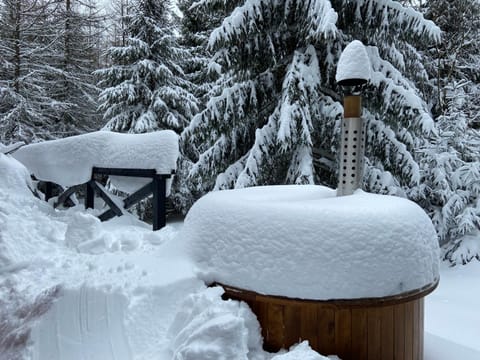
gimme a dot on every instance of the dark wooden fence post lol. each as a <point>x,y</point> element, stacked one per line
<point>89,195</point>
<point>159,198</point>
<point>48,190</point>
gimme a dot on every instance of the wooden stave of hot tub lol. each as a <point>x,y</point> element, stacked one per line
<point>386,328</point>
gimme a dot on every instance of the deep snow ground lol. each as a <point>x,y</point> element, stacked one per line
<point>73,288</point>
<point>452,315</point>
<point>102,315</point>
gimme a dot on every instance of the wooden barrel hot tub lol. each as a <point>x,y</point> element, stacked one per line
<point>388,328</point>
<point>364,264</point>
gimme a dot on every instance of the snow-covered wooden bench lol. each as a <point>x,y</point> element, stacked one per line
<point>136,164</point>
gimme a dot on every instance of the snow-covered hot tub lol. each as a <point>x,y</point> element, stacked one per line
<point>346,273</point>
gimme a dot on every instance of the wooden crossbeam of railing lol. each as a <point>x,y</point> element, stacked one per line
<point>129,201</point>
<point>103,194</point>
<point>66,194</point>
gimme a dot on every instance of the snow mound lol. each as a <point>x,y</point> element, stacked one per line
<point>302,351</point>
<point>353,63</point>
<point>86,234</point>
<point>15,178</point>
<point>303,242</point>
<point>207,327</point>
<point>69,161</point>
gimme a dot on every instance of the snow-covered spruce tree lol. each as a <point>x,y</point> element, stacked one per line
<point>280,101</point>
<point>145,88</point>
<point>196,26</point>
<point>451,165</point>
<point>457,57</point>
<point>451,182</point>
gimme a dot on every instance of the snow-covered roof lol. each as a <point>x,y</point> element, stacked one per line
<point>304,242</point>
<point>70,161</point>
<point>353,64</point>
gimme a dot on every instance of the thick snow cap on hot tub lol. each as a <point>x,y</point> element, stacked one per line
<point>304,242</point>
<point>69,161</point>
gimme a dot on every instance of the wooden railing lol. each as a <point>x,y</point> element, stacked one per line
<point>157,187</point>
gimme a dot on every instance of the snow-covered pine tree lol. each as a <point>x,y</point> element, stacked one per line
<point>452,164</point>
<point>280,101</point>
<point>145,88</point>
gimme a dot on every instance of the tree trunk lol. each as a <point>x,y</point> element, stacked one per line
<point>17,39</point>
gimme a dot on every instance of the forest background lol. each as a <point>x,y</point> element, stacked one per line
<point>249,86</point>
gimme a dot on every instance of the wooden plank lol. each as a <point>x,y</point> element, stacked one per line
<point>421,326</point>
<point>308,324</point>
<point>148,173</point>
<point>107,215</point>
<point>326,330</point>
<point>409,331</point>
<point>275,327</point>
<point>292,320</point>
<point>359,333</point>
<point>262,316</point>
<point>343,333</point>
<point>103,194</point>
<point>374,329</point>
<point>399,332</point>
<point>388,324</point>
<point>416,330</point>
